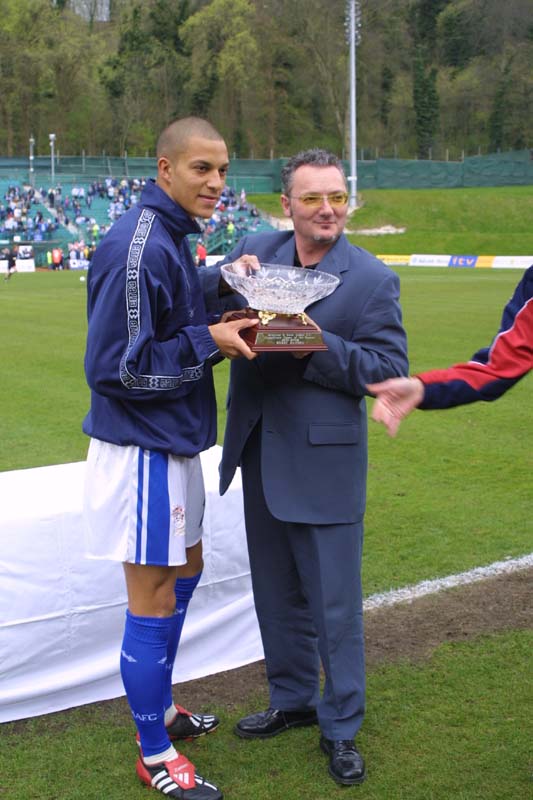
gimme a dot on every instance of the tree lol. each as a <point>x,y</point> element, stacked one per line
<point>497,115</point>
<point>423,16</point>
<point>144,78</point>
<point>44,81</point>
<point>222,47</point>
<point>455,37</point>
<point>387,78</point>
<point>272,75</point>
<point>426,105</point>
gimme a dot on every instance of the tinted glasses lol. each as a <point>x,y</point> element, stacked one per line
<point>311,199</point>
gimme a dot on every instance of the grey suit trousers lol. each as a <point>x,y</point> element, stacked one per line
<point>307,590</point>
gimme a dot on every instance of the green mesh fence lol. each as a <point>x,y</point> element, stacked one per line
<point>264,176</point>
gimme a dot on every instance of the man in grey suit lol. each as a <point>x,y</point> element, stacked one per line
<point>297,426</point>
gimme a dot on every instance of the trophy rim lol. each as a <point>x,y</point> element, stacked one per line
<point>321,285</point>
<point>287,267</point>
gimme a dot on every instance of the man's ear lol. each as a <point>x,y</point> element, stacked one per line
<point>286,205</point>
<point>163,169</point>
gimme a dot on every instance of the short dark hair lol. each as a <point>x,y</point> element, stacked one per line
<point>174,138</point>
<point>315,157</point>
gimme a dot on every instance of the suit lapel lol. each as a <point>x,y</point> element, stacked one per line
<point>285,253</point>
<point>336,260</point>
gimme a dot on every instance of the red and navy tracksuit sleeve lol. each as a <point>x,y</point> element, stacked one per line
<point>492,370</point>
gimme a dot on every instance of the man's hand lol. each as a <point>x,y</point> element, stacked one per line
<point>245,265</point>
<point>228,341</point>
<point>395,399</point>
<point>305,353</point>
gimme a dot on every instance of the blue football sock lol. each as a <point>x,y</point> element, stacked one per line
<point>143,669</point>
<point>183,589</point>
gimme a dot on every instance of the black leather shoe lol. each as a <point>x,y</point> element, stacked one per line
<point>346,764</point>
<point>273,721</point>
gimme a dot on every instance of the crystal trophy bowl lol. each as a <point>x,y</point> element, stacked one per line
<point>278,295</point>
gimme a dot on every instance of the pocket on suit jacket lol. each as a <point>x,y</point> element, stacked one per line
<point>324,433</point>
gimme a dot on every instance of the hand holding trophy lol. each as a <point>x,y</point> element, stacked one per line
<point>278,295</point>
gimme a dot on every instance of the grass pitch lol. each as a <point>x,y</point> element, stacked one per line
<point>453,491</point>
<point>436,494</point>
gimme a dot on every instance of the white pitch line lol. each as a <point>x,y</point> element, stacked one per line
<point>409,593</point>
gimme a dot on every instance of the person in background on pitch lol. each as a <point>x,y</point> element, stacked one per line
<point>490,373</point>
<point>201,254</point>
<point>148,362</point>
<point>297,426</point>
<point>11,256</point>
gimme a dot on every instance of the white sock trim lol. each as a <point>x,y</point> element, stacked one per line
<point>166,755</point>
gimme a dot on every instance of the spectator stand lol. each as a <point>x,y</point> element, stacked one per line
<point>108,199</point>
<point>232,219</point>
<point>77,211</point>
<point>27,222</point>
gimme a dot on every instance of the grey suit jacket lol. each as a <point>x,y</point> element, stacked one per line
<point>314,429</point>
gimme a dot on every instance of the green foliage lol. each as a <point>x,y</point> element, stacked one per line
<point>47,63</point>
<point>148,63</point>
<point>423,16</point>
<point>271,75</point>
<point>387,79</point>
<point>426,105</point>
<point>455,36</point>
<point>497,116</point>
<point>221,45</point>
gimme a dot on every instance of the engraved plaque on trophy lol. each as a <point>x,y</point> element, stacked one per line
<point>278,295</point>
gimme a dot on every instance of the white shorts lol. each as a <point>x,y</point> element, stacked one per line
<point>141,506</point>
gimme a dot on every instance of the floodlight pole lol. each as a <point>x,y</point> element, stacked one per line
<point>354,24</point>
<point>52,138</point>
<point>32,145</point>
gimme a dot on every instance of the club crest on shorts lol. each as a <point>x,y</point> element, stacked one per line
<point>178,520</point>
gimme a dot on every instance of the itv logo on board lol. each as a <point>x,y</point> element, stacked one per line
<point>463,261</point>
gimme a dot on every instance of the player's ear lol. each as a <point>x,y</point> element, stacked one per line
<point>164,168</point>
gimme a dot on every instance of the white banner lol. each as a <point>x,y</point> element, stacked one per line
<point>25,265</point>
<point>62,615</point>
<point>512,262</point>
<point>428,260</point>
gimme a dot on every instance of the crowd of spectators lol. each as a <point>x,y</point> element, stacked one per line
<point>232,218</point>
<point>20,219</point>
<point>233,215</point>
<point>89,210</point>
<point>120,195</point>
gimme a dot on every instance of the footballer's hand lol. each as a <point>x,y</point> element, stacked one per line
<point>228,340</point>
<point>395,399</point>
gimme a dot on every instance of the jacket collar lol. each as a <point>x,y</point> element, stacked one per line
<point>335,262</point>
<point>173,216</point>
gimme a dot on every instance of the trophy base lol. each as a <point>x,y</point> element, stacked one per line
<point>284,333</point>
